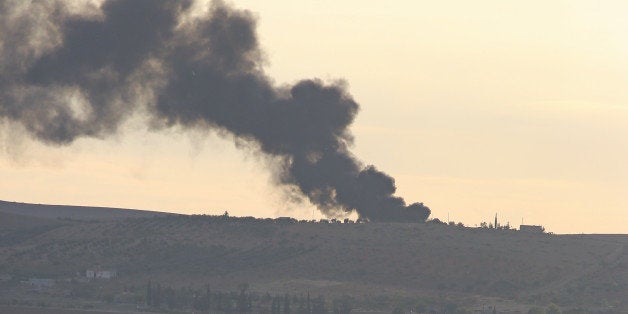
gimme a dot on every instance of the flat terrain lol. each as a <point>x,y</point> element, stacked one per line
<point>380,265</point>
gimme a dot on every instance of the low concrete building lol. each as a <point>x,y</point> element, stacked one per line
<point>531,228</point>
<point>101,274</point>
<point>106,274</point>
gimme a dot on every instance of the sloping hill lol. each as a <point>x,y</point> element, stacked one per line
<point>393,260</point>
<point>73,212</point>
<point>9,221</point>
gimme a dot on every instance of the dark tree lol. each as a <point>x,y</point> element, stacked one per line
<point>286,304</point>
<point>309,304</point>
<point>318,306</point>
<point>149,294</point>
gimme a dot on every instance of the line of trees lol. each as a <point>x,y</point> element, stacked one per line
<point>242,301</point>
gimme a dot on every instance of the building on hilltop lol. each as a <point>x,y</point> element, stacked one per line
<point>531,228</point>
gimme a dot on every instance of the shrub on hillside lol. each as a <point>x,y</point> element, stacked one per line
<point>536,310</point>
<point>553,309</point>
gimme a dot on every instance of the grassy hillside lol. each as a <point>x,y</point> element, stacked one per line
<point>389,262</point>
<point>10,221</point>
<point>73,212</point>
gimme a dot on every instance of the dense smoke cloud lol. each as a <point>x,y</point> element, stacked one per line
<point>69,72</point>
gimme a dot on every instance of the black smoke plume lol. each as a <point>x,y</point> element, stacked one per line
<point>69,71</point>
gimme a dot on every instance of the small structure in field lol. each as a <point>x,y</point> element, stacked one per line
<point>531,228</point>
<point>40,283</point>
<point>101,274</point>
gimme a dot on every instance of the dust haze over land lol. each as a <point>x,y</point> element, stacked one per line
<point>68,72</point>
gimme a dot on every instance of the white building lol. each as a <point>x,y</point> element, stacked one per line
<point>101,274</point>
<point>106,274</point>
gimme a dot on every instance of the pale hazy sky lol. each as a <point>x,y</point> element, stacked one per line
<point>475,107</point>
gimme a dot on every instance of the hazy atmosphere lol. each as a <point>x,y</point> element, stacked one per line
<point>313,157</point>
<point>504,107</point>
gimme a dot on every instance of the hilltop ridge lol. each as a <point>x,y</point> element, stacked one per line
<point>394,262</point>
<point>74,212</point>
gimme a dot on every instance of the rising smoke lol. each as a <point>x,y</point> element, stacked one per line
<point>69,71</point>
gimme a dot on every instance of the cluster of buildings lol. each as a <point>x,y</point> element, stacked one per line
<point>44,283</point>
